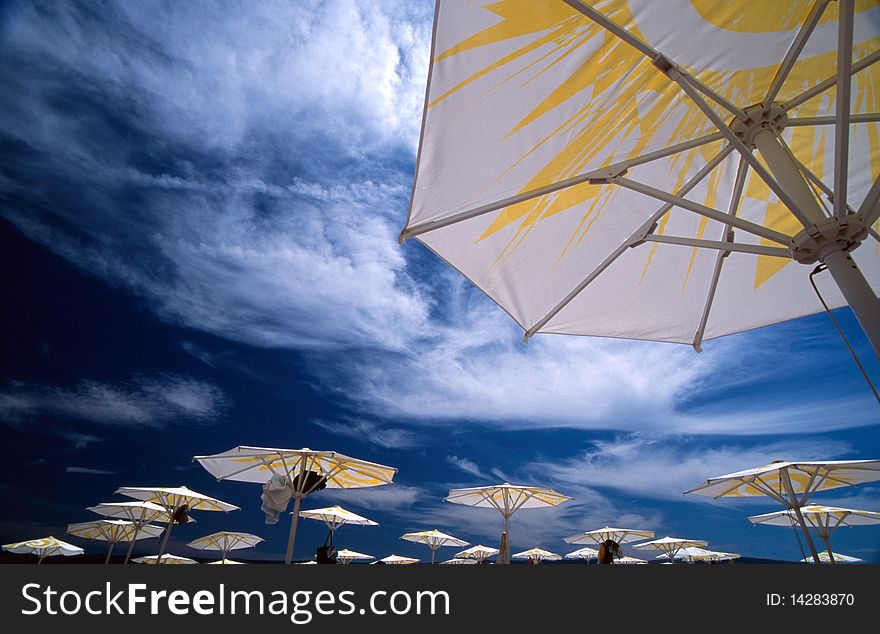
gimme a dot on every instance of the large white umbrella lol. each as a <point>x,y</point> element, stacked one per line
<point>166,558</point>
<point>670,546</point>
<point>478,553</point>
<point>434,540</point>
<point>537,555</point>
<point>507,499</point>
<point>346,556</point>
<point>791,483</point>
<point>590,166</point>
<point>825,520</point>
<point>608,539</point>
<point>460,561</point>
<point>837,558</point>
<point>692,554</point>
<point>44,547</point>
<point>304,471</point>
<point>586,553</point>
<point>336,516</point>
<point>224,541</point>
<point>113,532</point>
<point>138,512</point>
<point>225,562</point>
<point>177,502</point>
<point>397,560</point>
<point>628,560</point>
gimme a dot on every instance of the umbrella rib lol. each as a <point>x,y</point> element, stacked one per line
<point>686,83</point>
<point>841,131</point>
<point>646,227</point>
<point>869,211</point>
<point>619,167</point>
<point>721,245</point>
<point>865,117</point>
<point>703,210</point>
<point>822,86</point>
<point>739,183</point>
<point>794,52</point>
<point>651,53</point>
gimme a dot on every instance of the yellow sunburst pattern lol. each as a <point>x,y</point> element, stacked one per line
<point>629,98</point>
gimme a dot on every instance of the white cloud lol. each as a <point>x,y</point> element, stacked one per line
<point>142,401</point>
<point>88,471</point>
<point>383,498</point>
<point>466,465</point>
<point>371,433</point>
<point>662,468</point>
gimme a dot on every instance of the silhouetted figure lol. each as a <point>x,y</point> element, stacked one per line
<point>608,550</point>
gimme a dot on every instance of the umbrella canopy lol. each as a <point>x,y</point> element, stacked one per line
<point>838,558</point>
<point>113,532</point>
<point>479,553</point>
<point>460,561</point>
<point>224,541</point>
<point>177,502</point>
<point>166,558</point>
<point>791,483</point>
<point>670,546</point>
<point>139,512</point>
<point>619,535</point>
<point>225,561</point>
<point>586,553</point>
<point>305,470</point>
<point>537,555</point>
<point>346,556</point>
<point>44,547</point>
<point>396,560</point>
<point>336,516</point>
<point>434,540</point>
<point>590,168</point>
<point>823,519</point>
<point>507,499</point>
<point>628,561</point>
<point>694,554</point>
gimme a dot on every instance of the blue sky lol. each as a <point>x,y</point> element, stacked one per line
<point>200,204</point>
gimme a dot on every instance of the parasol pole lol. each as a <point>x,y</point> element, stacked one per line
<point>846,273</point>
<point>109,551</point>
<point>795,506</point>
<point>164,543</point>
<point>291,539</point>
<point>505,540</point>
<point>137,529</point>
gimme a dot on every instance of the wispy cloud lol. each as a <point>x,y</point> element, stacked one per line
<point>266,212</point>
<point>142,401</point>
<point>383,498</point>
<point>88,471</point>
<point>468,466</point>
<point>663,467</point>
<point>370,433</point>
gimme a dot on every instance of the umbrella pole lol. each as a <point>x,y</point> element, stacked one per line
<point>505,533</point>
<point>164,543</point>
<point>223,561</point>
<point>795,506</point>
<point>828,549</point>
<point>109,552</point>
<point>850,280</point>
<point>433,552</point>
<point>294,520</point>
<point>131,545</point>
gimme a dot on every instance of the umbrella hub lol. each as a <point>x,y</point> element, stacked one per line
<point>758,118</point>
<point>826,236</point>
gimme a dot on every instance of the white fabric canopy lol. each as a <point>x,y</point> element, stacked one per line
<point>554,133</point>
